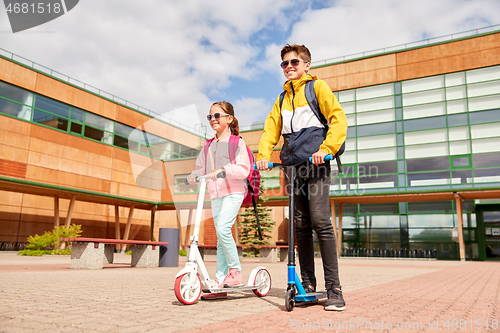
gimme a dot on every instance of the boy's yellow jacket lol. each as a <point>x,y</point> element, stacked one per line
<point>302,131</point>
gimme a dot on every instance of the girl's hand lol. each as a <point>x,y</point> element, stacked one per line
<point>191,179</point>
<point>213,175</point>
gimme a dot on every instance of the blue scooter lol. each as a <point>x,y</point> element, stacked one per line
<point>295,292</point>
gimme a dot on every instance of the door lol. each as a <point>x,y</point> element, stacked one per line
<point>488,218</point>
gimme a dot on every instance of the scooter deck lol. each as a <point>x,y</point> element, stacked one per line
<point>233,289</point>
<point>310,296</point>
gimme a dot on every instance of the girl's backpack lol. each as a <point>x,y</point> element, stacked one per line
<point>252,180</point>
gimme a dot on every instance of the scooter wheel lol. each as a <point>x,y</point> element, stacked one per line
<point>290,299</point>
<point>262,276</point>
<point>184,291</point>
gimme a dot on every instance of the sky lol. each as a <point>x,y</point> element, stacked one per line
<point>178,57</point>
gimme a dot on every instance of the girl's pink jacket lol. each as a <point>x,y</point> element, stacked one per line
<point>218,157</point>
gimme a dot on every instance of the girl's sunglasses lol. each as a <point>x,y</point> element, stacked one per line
<point>216,115</point>
<point>293,62</point>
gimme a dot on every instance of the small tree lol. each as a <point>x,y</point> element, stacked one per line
<point>249,234</point>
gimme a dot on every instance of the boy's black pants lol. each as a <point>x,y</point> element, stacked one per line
<point>312,212</point>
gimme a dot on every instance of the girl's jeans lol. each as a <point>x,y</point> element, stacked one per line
<point>312,212</point>
<point>225,210</point>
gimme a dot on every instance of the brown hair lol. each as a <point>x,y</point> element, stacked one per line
<point>301,50</point>
<point>228,108</point>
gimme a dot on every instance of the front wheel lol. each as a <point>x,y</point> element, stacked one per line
<point>290,299</point>
<point>263,277</point>
<point>184,291</point>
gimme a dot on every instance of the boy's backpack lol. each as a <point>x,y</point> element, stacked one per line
<point>312,100</point>
<point>252,180</point>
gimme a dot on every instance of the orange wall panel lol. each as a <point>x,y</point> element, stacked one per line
<point>130,117</point>
<point>69,153</point>
<point>358,73</point>
<point>53,136</point>
<point>449,64</point>
<point>10,199</point>
<point>17,75</point>
<point>13,154</point>
<point>427,61</point>
<point>15,125</point>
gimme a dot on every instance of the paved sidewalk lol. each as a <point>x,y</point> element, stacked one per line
<point>41,294</point>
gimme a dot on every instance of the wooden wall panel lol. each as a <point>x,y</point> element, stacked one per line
<point>17,75</point>
<point>433,60</point>
<point>360,73</point>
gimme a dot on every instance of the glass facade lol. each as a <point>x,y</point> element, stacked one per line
<point>429,133</point>
<point>29,106</point>
<point>433,133</point>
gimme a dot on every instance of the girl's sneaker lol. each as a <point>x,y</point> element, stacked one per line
<point>207,296</point>
<point>233,278</point>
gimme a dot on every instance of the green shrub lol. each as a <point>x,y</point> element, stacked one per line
<point>34,253</point>
<point>48,243</point>
<point>182,253</point>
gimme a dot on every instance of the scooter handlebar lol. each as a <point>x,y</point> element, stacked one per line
<point>328,157</point>
<point>271,165</point>
<point>221,174</point>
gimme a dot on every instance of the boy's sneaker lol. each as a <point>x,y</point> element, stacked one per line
<point>309,289</point>
<point>233,278</point>
<point>335,301</point>
<point>208,296</point>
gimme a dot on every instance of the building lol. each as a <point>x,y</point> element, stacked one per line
<point>71,153</point>
<point>421,171</point>
<point>423,148</point>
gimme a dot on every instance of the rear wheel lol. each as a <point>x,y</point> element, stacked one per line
<point>264,277</point>
<point>184,291</point>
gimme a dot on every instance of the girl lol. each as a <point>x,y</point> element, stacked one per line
<point>226,194</point>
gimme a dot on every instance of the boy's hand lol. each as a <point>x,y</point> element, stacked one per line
<point>319,157</point>
<point>263,165</point>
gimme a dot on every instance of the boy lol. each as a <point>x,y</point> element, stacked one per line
<point>305,136</point>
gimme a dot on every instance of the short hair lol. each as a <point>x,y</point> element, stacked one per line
<point>301,50</point>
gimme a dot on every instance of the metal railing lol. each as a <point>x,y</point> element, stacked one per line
<point>401,47</point>
<point>96,91</point>
<point>389,253</point>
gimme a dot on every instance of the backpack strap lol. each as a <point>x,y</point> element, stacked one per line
<point>233,147</point>
<point>205,150</point>
<point>313,102</point>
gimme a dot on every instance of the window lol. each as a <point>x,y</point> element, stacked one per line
<point>486,160</point>
<point>50,120</point>
<point>181,187</point>
<point>460,161</point>
<point>52,106</point>
<point>425,123</point>
<point>15,109</point>
<point>271,179</point>
<point>18,102</point>
<point>16,94</point>
<point>428,178</point>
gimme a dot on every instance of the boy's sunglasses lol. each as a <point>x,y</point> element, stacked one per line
<point>293,62</point>
<point>216,115</point>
